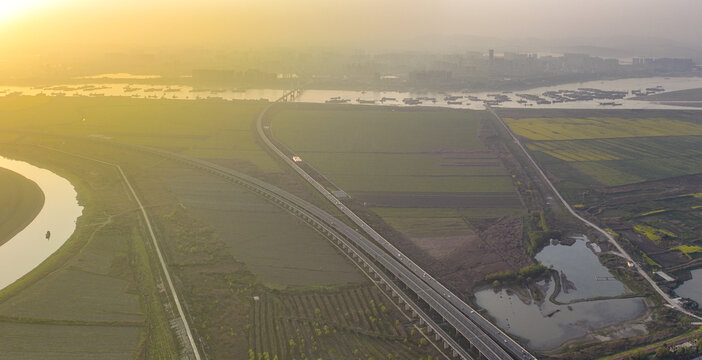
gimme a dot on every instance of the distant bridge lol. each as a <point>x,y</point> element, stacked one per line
<point>290,95</point>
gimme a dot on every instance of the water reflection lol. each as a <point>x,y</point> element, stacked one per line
<point>30,247</point>
<point>475,100</point>
<point>692,289</point>
<point>546,325</point>
<point>124,76</point>
<point>582,275</point>
<point>143,91</point>
<point>455,99</point>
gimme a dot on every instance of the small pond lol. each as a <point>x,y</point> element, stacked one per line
<point>547,325</point>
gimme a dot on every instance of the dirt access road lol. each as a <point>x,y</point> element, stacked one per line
<point>671,303</point>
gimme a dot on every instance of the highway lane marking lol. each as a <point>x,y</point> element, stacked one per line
<point>355,218</point>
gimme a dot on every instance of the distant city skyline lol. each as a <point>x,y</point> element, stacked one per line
<point>57,36</point>
<point>389,23</point>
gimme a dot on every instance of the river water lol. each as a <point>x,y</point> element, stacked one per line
<point>669,84</point>
<point>543,324</point>
<point>142,91</point>
<point>393,98</point>
<point>547,325</point>
<point>30,247</point>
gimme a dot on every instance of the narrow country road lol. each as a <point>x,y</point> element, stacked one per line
<point>670,302</point>
<point>195,351</point>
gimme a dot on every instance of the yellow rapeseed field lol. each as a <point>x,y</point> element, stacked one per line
<point>654,234</point>
<point>606,175</point>
<point>688,249</point>
<point>596,128</point>
<point>573,151</point>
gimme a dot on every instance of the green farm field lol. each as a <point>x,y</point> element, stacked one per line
<point>278,248</point>
<point>395,152</point>
<point>554,128</point>
<point>434,213</point>
<point>205,129</point>
<point>353,323</point>
<point>372,130</point>
<point>243,258</point>
<point>407,164</point>
<point>21,201</point>
<point>222,132</point>
<point>66,342</point>
<point>223,244</point>
<point>637,171</point>
<point>435,181</point>
<point>100,285</point>
<point>586,150</point>
<point>629,160</point>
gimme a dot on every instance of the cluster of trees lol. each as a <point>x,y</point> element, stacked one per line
<point>670,353</point>
<point>539,232</point>
<point>524,274</point>
<point>539,239</point>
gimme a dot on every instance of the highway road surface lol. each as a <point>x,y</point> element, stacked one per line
<point>491,344</point>
<point>437,301</point>
<point>488,333</point>
<point>310,212</point>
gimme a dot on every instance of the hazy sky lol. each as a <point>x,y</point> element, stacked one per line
<point>63,24</point>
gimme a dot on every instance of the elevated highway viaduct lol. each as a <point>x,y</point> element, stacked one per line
<point>460,328</point>
<point>490,335</point>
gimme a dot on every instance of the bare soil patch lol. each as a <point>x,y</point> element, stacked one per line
<point>497,248</point>
<point>438,199</point>
<point>442,247</point>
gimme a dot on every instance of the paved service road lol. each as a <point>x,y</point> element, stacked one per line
<point>195,351</point>
<point>308,211</point>
<point>465,320</point>
<point>671,303</point>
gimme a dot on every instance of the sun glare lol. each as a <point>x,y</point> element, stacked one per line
<point>12,8</point>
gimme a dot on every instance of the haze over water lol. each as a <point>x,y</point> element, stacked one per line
<point>63,64</point>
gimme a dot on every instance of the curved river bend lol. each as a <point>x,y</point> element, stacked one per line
<point>30,247</point>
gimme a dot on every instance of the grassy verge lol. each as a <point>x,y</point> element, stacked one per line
<point>106,245</point>
<point>694,334</point>
<point>21,199</point>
